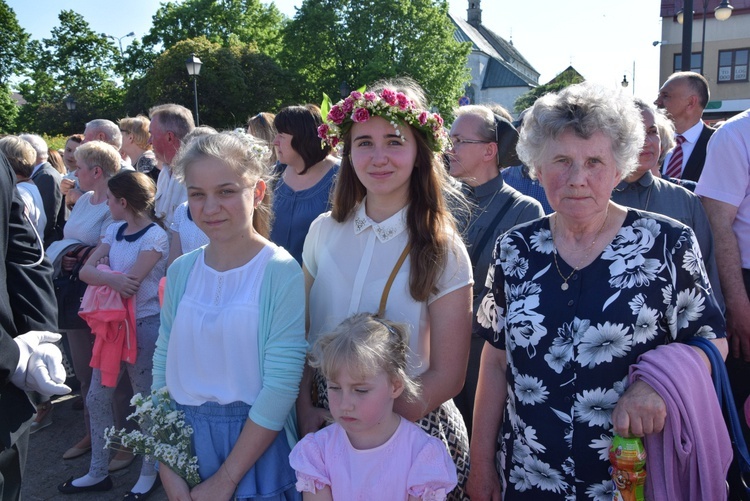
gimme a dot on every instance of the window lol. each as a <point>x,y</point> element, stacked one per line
<point>733,65</point>
<point>695,62</point>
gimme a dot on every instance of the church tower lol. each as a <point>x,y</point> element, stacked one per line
<point>474,13</point>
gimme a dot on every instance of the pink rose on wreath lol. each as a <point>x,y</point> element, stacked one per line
<point>348,105</point>
<point>403,101</point>
<point>360,115</point>
<point>370,96</point>
<point>323,131</point>
<point>438,118</point>
<point>336,115</point>
<point>334,142</point>
<point>389,96</point>
<point>356,94</point>
<point>422,118</point>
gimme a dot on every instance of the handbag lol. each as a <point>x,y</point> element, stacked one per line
<point>729,409</point>
<point>69,290</point>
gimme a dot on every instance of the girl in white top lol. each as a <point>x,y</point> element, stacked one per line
<point>389,202</point>
<point>231,346</point>
<point>136,251</point>
<point>364,363</point>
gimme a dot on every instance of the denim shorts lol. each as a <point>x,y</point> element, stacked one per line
<point>216,428</point>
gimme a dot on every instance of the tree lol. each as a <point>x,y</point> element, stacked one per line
<point>236,81</point>
<point>13,41</point>
<point>330,43</point>
<point>568,77</point>
<point>75,62</point>
<point>220,21</point>
<point>8,110</point>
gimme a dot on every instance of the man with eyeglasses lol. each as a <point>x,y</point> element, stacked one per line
<point>481,144</point>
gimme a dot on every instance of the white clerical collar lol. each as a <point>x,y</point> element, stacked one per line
<point>385,230</point>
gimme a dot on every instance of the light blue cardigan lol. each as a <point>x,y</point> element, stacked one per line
<point>281,337</point>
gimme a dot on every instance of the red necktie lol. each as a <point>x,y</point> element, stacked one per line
<point>674,169</point>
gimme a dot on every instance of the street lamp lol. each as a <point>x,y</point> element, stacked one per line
<point>70,102</point>
<point>119,40</point>
<point>624,82</point>
<point>721,13</point>
<point>194,69</point>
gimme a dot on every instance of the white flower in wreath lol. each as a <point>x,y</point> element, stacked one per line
<point>541,241</point>
<point>603,343</point>
<point>595,406</point>
<point>523,323</point>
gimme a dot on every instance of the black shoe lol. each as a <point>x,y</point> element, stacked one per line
<point>140,496</point>
<point>67,487</point>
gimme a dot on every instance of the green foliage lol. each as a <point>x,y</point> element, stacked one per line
<point>75,62</point>
<point>235,81</point>
<point>56,142</point>
<point>568,77</point>
<point>13,41</point>
<point>220,21</point>
<point>8,110</point>
<point>330,42</point>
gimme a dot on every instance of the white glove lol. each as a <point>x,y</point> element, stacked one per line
<point>40,365</point>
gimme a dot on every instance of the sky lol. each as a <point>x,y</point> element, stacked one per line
<point>604,41</point>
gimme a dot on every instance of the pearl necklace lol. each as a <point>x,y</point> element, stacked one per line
<point>565,285</point>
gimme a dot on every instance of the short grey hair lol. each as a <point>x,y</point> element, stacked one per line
<point>111,131</point>
<point>39,145</point>
<point>663,124</point>
<point>486,128</point>
<point>583,109</point>
<point>175,118</point>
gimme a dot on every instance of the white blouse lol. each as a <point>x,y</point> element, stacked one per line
<point>213,348</point>
<point>351,262</point>
<point>191,237</point>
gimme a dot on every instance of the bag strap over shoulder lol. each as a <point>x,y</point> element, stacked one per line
<point>391,278</point>
<point>726,402</point>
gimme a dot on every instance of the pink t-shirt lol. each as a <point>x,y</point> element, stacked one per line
<point>726,175</point>
<point>411,462</point>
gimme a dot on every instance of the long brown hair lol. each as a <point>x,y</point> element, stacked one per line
<point>427,218</point>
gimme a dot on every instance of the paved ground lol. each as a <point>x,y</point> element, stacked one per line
<point>45,468</point>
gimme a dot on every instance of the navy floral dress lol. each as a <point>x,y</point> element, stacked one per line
<point>568,352</point>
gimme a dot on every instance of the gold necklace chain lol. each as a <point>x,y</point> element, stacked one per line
<point>565,285</point>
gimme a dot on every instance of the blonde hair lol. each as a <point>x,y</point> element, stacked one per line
<point>243,153</point>
<point>366,344</point>
<point>138,126</point>
<point>99,153</point>
<point>20,154</point>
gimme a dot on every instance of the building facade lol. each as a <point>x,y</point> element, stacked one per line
<point>726,57</point>
<point>499,73</point>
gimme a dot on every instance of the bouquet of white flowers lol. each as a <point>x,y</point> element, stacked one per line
<point>163,435</point>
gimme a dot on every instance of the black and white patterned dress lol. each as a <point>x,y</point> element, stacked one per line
<point>569,351</point>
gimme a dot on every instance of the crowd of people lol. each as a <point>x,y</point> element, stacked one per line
<point>358,301</point>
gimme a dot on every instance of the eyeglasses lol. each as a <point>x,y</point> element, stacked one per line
<point>455,142</point>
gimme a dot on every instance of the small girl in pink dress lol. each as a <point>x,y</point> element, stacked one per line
<point>370,452</point>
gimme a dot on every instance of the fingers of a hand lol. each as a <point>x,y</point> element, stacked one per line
<point>49,337</point>
<point>45,371</point>
<point>621,422</point>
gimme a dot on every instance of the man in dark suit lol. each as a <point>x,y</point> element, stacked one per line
<point>684,96</point>
<point>47,180</point>
<point>28,359</point>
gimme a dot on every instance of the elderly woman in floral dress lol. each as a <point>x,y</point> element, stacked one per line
<point>574,299</point>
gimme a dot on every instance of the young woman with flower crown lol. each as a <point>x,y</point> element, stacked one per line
<point>231,346</point>
<point>390,246</point>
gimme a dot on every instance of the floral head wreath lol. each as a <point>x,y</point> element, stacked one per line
<point>394,106</point>
<point>257,147</point>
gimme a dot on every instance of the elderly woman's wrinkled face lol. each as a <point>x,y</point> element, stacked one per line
<point>649,156</point>
<point>578,174</point>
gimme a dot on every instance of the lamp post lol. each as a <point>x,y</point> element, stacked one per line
<point>70,102</point>
<point>194,69</point>
<point>119,40</point>
<point>722,12</point>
